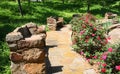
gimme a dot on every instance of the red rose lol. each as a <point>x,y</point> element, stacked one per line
<point>98,38</point>
<point>90,24</point>
<point>103,70</point>
<point>87,37</point>
<point>83,26</point>
<point>94,29</point>
<point>110,49</point>
<point>86,40</point>
<point>104,65</point>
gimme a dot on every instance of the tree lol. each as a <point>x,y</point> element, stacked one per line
<point>63,1</point>
<point>20,7</point>
<point>28,2</point>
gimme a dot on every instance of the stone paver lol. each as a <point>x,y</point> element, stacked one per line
<point>61,58</point>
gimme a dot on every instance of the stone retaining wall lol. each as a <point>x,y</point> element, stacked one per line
<point>27,52</point>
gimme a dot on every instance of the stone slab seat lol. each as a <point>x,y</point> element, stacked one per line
<point>27,36</point>
<point>35,41</point>
<point>27,50</point>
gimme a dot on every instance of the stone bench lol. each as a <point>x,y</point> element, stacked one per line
<point>27,51</point>
<point>54,23</point>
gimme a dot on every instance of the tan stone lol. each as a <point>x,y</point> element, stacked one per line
<point>32,28</point>
<point>34,68</point>
<point>27,49</point>
<point>41,29</point>
<point>61,54</point>
<point>110,15</point>
<point>33,41</point>
<point>114,35</point>
<point>34,55</point>
<point>52,23</point>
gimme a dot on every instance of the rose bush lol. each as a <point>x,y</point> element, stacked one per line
<point>88,37</point>
<point>90,40</point>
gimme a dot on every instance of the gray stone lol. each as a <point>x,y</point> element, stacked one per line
<point>13,36</point>
<point>31,25</point>
<point>16,30</point>
<point>17,68</point>
<point>13,47</point>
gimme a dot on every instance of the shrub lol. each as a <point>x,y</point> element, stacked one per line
<point>88,37</point>
<point>90,41</point>
<point>112,60</point>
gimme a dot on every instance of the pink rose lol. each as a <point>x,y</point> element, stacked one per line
<point>117,67</point>
<point>81,52</point>
<point>108,38</point>
<point>88,60</point>
<point>110,49</point>
<point>104,57</point>
<point>82,32</point>
<point>95,57</point>
<point>93,34</point>
<point>98,63</point>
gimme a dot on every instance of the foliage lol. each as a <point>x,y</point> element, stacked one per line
<point>4,59</point>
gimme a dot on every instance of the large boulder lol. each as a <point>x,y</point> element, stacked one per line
<point>114,33</point>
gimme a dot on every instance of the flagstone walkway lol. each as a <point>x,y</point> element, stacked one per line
<point>61,57</point>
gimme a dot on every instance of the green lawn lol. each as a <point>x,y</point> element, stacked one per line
<point>37,12</point>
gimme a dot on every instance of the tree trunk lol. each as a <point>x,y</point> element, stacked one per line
<point>63,1</point>
<point>20,7</point>
<point>28,2</point>
<point>88,6</point>
<point>43,1</point>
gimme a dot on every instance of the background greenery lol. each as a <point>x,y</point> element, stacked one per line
<point>37,12</point>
